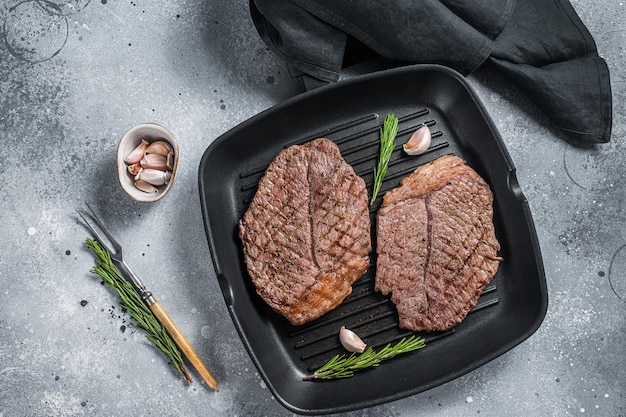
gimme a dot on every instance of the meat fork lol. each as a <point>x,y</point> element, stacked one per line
<point>115,249</point>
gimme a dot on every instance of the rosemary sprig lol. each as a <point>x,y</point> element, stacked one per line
<point>387,135</point>
<point>340,366</point>
<point>130,300</point>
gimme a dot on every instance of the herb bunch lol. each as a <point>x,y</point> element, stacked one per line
<point>387,136</point>
<point>130,300</point>
<point>342,366</point>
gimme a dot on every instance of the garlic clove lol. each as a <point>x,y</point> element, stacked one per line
<point>350,341</point>
<point>419,141</point>
<point>160,147</point>
<point>134,169</point>
<point>154,176</point>
<point>156,161</point>
<point>136,154</point>
<point>146,187</point>
<point>170,160</point>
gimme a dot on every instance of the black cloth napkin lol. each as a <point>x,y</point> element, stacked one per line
<point>540,45</point>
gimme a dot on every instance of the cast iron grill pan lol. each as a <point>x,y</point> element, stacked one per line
<point>350,113</point>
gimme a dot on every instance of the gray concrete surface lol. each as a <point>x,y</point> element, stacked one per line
<point>74,78</point>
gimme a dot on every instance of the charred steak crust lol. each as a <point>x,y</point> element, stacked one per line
<point>436,244</point>
<point>306,234</point>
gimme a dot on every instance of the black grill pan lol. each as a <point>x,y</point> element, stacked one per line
<point>350,113</point>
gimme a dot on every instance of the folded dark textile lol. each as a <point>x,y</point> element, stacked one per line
<point>541,45</point>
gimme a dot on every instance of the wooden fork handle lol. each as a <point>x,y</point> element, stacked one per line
<point>183,343</point>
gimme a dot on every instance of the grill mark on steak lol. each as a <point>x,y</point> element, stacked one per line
<point>306,233</point>
<point>311,221</point>
<point>447,205</point>
<point>429,228</point>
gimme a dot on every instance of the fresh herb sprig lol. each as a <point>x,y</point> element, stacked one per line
<point>387,136</point>
<point>130,300</point>
<point>342,366</point>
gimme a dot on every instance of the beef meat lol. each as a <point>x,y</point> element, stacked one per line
<point>306,233</point>
<point>436,244</point>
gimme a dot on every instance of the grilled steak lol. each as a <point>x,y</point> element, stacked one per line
<point>306,233</point>
<point>436,244</point>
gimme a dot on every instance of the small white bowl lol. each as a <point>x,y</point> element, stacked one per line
<point>151,132</point>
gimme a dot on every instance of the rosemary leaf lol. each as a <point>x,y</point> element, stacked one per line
<point>130,300</point>
<point>387,136</point>
<point>342,366</point>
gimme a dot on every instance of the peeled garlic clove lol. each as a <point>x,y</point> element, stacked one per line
<point>155,161</point>
<point>159,147</point>
<point>134,169</point>
<point>146,187</point>
<point>351,341</point>
<point>419,141</point>
<point>137,153</point>
<point>154,176</point>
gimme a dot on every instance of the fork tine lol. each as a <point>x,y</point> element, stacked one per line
<point>93,231</point>
<point>116,247</point>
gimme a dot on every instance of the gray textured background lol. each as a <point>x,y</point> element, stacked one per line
<point>72,82</point>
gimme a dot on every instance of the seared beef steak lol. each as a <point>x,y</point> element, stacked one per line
<point>436,244</point>
<point>306,233</point>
